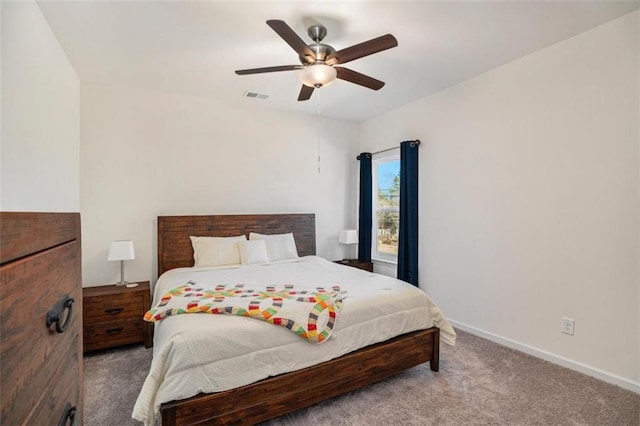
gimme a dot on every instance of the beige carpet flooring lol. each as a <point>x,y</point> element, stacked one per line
<point>479,383</point>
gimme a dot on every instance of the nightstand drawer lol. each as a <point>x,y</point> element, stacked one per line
<point>107,308</point>
<point>113,333</point>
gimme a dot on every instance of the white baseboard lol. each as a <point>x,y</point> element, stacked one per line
<point>548,356</point>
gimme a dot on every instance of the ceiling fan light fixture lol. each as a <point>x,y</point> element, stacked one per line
<point>317,75</point>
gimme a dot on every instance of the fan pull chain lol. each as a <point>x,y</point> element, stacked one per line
<point>318,129</point>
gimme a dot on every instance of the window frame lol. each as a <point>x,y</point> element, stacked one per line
<point>391,155</point>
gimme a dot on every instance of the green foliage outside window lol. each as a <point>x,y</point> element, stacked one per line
<point>388,217</point>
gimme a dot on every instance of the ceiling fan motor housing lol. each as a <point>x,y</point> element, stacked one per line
<point>321,50</point>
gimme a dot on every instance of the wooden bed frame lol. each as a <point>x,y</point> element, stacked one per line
<point>275,396</point>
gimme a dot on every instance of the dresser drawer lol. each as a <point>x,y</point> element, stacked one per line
<point>113,333</point>
<point>63,388</point>
<point>108,308</point>
<point>31,352</point>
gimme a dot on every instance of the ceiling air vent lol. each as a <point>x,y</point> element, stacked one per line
<point>255,95</point>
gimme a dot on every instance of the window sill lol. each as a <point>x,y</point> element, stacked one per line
<point>385,262</point>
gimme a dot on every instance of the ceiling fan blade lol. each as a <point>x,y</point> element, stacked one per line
<point>292,39</point>
<point>269,69</point>
<point>357,78</point>
<point>305,93</point>
<point>360,50</point>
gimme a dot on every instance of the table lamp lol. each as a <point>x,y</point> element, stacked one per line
<point>121,250</point>
<point>348,237</point>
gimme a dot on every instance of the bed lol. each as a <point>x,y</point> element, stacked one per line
<point>337,366</point>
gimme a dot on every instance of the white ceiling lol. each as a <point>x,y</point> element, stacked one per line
<point>193,48</point>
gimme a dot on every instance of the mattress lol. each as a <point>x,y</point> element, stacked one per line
<point>205,353</point>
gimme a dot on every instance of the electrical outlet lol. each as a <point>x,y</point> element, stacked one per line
<point>567,325</point>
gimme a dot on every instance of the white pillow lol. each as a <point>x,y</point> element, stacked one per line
<point>253,252</point>
<point>216,251</point>
<point>279,246</point>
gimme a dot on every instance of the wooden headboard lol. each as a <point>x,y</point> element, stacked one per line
<point>174,245</point>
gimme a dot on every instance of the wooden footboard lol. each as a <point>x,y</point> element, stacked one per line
<point>285,393</point>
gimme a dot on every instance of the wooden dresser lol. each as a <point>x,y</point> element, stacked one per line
<point>40,319</point>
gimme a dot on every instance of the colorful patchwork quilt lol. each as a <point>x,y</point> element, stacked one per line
<point>309,314</point>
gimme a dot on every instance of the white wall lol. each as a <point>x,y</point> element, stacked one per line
<point>529,199</point>
<point>146,154</point>
<point>39,164</point>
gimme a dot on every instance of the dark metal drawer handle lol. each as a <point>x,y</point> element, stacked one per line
<point>68,414</point>
<point>55,314</point>
<point>113,311</point>
<point>113,331</point>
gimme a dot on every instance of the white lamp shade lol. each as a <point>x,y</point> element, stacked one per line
<point>318,75</point>
<point>121,250</point>
<point>348,236</point>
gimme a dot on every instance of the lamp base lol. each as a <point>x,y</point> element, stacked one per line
<point>122,281</point>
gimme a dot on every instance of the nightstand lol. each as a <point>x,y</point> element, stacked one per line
<point>112,316</point>
<point>355,263</point>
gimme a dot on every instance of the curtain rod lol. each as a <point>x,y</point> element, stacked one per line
<point>413,143</point>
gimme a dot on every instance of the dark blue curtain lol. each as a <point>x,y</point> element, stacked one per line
<point>408,230</point>
<point>364,214</point>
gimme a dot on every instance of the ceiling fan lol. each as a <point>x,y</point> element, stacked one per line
<point>318,59</point>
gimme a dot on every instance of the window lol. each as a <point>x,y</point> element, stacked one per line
<point>386,205</point>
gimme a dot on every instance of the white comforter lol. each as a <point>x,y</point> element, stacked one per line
<point>196,353</point>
